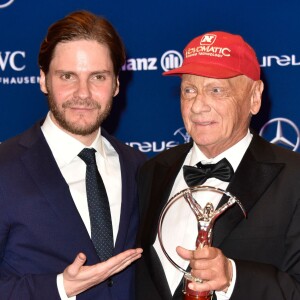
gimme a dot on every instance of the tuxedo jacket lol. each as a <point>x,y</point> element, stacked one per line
<point>41,231</point>
<point>265,246</point>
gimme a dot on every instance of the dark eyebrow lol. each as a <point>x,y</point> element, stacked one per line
<point>102,72</point>
<point>107,72</point>
<point>63,71</point>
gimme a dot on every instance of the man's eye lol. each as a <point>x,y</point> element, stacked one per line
<point>189,90</point>
<point>216,90</point>
<point>99,77</point>
<point>66,76</point>
<point>219,92</point>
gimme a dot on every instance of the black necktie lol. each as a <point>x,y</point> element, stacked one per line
<point>197,176</point>
<point>100,217</point>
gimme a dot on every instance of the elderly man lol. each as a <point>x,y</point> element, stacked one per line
<point>257,257</point>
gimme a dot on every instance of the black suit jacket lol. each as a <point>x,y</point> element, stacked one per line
<point>41,230</point>
<point>265,245</point>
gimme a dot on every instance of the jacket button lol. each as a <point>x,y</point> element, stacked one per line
<point>110,282</point>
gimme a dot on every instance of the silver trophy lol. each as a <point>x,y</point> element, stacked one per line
<point>206,218</point>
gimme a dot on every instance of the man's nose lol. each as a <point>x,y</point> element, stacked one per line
<point>200,103</point>
<point>83,89</point>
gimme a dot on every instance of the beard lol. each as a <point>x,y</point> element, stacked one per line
<point>72,127</point>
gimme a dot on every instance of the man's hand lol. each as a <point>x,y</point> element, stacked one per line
<point>210,265</point>
<point>78,278</point>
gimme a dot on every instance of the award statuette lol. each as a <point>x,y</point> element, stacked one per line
<point>206,218</point>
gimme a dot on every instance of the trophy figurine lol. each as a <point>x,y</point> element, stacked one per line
<point>206,218</point>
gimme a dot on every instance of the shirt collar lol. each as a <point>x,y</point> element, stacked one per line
<point>234,154</point>
<point>64,147</point>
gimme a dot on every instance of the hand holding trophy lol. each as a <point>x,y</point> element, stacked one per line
<point>206,218</point>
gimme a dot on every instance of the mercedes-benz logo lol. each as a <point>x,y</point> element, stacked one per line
<point>182,131</point>
<point>7,3</point>
<point>282,132</point>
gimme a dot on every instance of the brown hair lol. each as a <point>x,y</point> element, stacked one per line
<point>82,25</point>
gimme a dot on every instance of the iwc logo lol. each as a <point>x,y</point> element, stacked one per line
<point>282,132</point>
<point>6,3</point>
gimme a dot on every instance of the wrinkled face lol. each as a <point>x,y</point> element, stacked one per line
<point>80,85</point>
<point>217,112</point>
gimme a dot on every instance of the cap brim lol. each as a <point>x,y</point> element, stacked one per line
<point>213,71</point>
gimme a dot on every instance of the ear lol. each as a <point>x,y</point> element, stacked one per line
<point>43,85</point>
<point>117,86</point>
<point>256,97</point>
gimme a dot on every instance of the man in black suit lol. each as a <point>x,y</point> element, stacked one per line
<point>257,257</point>
<point>50,240</point>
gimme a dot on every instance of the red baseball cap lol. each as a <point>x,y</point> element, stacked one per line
<point>218,54</point>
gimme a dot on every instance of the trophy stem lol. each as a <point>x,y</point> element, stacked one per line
<point>202,240</point>
<point>191,295</point>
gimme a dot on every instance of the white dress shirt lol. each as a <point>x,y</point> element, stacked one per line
<point>65,150</point>
<point>180,224</point>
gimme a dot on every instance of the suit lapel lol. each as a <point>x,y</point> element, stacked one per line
<point>128,192</point>
<point>157,273</point>
<point>252,178</point>
<point>42,167</point>
<point>164,179</point>
<point>164,175</point>
<point>126,206</point>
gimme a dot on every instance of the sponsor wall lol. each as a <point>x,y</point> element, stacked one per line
<point>146,113</point>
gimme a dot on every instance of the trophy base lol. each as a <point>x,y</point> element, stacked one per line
<point>190,297</point>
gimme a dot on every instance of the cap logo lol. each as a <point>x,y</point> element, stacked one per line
<point>208,39</point>
<point>206,48</point>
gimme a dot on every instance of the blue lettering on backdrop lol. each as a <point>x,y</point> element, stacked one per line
<point>146,113</point>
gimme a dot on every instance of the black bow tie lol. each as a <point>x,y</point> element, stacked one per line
<point>197,176</point>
